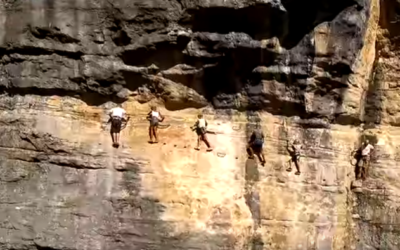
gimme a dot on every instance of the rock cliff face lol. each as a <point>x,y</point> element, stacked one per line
<point>321,71</point>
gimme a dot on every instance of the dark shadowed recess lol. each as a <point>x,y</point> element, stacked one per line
<point>374,97</point>
<point>45,248</point>
<point>373,103</point>
<point>263,21</point>
<point>119,35</point>
<point>230,76</point>
<point>390,20</point>
<point>135,80</point>
<point>260,21</point>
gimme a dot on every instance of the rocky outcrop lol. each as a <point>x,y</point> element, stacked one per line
<point>323,72</point>
<point>295,62</point>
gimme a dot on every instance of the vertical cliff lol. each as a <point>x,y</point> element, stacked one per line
<point>321,71</point>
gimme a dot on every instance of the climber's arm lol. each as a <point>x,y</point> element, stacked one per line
<point>161,117</point>
<point>195,125</point>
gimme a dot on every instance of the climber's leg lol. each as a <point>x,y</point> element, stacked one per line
<point>365,167</point>
<point>262,158</point>
<point>112,137</point>
<point>257,150</point>
<point>151,134</point>
<point>357,169</point>
<point>367,164</point>
<point>117,138</point>
<point>115,129</point>
<point>289,169</point>
<point>296,163</point>
<point>198,142</point>
<point>154,130</point>
<point>259,157</point>
<point>205,140</point>
<point>250,151</point>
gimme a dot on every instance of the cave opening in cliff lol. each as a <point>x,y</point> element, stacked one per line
<point>304,16</point>
<point>164,55</point>
<point>233,75</point>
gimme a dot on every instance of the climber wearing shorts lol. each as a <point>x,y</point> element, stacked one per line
<point>255,145</point>
<point>117,117</point>
<point>201,130</point>
<point>154,117</point>
<point>294,151</point>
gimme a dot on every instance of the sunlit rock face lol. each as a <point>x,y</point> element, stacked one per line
<point>323,72</point>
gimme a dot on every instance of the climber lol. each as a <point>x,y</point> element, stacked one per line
<point>294,151</point>
<point>255,145</point>
<point>201,130</point>
<point>364,155</point>
<point>117,117</point>
<point>154,118</point>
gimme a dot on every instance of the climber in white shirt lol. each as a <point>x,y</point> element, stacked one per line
<point>117,117</point>
<point>201,130</point>
<point>154,118</point>
<point>366,157</point>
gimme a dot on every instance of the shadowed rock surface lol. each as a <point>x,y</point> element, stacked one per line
<point>321,71</point>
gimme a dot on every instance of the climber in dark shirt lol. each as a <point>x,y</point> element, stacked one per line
<point>255,145</point>
<point>294,151</point>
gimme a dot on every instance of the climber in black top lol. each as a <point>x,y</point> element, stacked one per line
<point>255,145</point>
<point>294,151</point>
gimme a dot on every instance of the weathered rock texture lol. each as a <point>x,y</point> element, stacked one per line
<point>322,71</point>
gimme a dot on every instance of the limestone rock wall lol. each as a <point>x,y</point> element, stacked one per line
<point>323,72</point>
